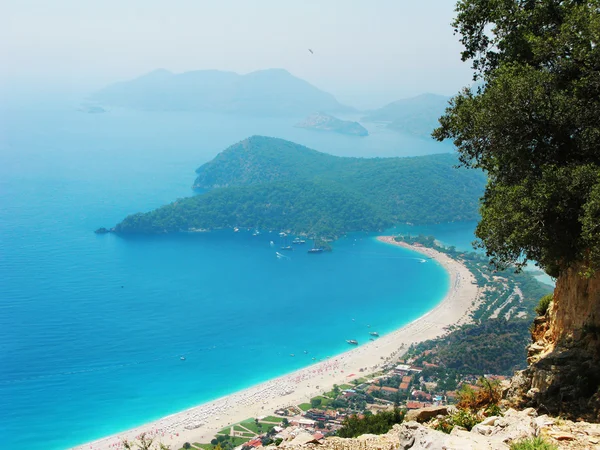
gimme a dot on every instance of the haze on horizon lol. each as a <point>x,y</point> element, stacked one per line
<point>365,53</point>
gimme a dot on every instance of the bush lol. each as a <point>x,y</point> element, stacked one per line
<point>187,445</point>
<point>532,444</point>
<point>543,305</point>
<point>461,418</point>
<point>488,395</point>
<point>465,419</point>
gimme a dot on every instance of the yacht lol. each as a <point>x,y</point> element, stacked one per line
<point>352,341</point>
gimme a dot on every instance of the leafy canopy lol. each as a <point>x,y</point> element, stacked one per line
<point>534,125</point>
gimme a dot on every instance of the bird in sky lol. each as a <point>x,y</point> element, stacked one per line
<point>311,52</point>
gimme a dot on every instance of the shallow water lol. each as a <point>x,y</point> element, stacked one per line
<point>92,327</point>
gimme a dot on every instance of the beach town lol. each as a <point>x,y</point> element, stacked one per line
<point>373,371</point>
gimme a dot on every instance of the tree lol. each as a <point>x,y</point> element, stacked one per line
<point>285,422</point>
<point>315,402</point>
<point>532,125</point>
<point>144,442</point>
<point>187,445</point>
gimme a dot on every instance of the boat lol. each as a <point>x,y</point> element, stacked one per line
<point>291,354</point>
<point>352,341</point>
<point>236,230</point>
<point>182,358</point>
<point>282,234</point>
<point>298,241</point>
<point>374,333</point>
<point>287,247</point>
<point>272,244</point>
<point>315,249</point>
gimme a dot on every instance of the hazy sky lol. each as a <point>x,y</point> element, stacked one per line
<point>370,51</point>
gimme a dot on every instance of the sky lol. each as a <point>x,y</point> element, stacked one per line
<point>366,52</point>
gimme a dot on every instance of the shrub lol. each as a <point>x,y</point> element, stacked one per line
<point>543,305</point>
<point>465,419</point>
<point>532,444</point>
<point>489,394</point>
<point>461,418</point>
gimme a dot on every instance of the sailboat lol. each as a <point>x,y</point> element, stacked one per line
<point>285,245</point>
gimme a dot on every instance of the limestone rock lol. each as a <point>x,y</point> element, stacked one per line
<point>424,414</point>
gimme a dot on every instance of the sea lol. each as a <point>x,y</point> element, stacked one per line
<point>93,328</point>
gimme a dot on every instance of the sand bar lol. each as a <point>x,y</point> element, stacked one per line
<point>199,424</point>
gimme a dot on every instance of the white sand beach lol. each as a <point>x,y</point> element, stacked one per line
<point>199,424</point>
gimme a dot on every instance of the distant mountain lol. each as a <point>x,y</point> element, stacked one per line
<point>275,184</point>
<point>265,92</point>
<point>417,116</point>
<point>325,122</point>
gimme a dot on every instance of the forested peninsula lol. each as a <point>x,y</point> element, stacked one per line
<point>273,184</point>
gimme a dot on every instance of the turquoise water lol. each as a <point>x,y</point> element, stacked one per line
<point>92,327</point>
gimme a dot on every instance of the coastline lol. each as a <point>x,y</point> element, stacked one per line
<point>200,423</point>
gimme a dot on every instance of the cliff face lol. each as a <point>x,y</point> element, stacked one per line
<point>563,376</point>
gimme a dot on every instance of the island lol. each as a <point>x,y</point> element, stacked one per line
<point>324,122</point>
<point>270,92</point>
<point>416,116</point>
<point>272,184</point>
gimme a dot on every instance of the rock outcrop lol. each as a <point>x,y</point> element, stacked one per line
<point>494,433</point>
<point>563,376</point>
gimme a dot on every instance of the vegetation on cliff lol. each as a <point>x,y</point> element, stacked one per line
<point>274,184</point>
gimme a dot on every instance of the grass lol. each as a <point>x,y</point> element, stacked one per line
<point>272,419</point>
<point>304,406</point>
<point>532,444</point>
<point>346,386</point>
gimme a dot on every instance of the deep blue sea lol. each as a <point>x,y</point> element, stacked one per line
<point>92,327</point>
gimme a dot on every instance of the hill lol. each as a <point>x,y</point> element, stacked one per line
<point>264,92</point>
<point>417,116</point>
<point>275,184</point>
<point>325,122</point>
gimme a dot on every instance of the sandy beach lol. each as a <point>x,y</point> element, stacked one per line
<point>199,424</point>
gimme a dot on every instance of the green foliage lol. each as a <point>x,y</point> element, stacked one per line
<point>274,184</point>
<point>494,346</point>
<point>462,418</point>
<point>536,443</point>
<point>315,402</point>
<point>533,126</point>
<point>543,305</point>
<point>465,419</point>
<point>370,424</point>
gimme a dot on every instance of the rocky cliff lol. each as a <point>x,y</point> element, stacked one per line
<point>563,376</point>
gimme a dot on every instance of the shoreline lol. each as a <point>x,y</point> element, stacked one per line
<point>202,422</point>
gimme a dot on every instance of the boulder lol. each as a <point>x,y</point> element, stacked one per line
<point>425,414</point>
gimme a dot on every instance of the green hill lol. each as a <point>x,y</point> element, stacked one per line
<point>275,184</point>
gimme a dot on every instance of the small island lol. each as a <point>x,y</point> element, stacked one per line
<point>324,122</point>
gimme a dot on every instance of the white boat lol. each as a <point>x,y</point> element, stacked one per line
<point>236,229</point>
